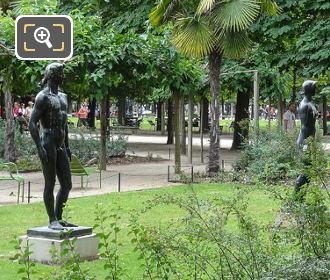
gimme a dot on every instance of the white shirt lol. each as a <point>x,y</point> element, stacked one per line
<point>291,118</point>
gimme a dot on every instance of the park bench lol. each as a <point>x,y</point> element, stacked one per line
<point>152,124</point>
<point>9,172</point>
<point>126,129</point>
<point>77,169</point>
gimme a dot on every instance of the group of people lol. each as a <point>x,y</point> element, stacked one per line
<point>22,115</point>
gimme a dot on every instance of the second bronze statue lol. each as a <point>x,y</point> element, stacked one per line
<point>50,111</point>
<point>308,114</point>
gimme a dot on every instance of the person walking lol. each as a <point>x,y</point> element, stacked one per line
<point>83,114</point>
<point>289,118</point>
<point>28,111</point>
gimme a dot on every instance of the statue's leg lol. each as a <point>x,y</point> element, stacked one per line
<point>64,177</point>
<point>301,180</point>
<point>49,171</point>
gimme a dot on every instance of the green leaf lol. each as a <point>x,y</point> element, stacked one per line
<point>235,44</point>
<point>193,36</point>
<point>157,15</point>
<point>205,5</point>
<point>236,15</point>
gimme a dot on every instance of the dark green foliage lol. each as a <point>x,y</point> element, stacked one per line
<point>270,157</point>
<point>117,145</point>
<point>298,37</point>
<point>87,146</point>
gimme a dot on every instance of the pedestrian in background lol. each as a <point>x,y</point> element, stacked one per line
<point>289,118</point>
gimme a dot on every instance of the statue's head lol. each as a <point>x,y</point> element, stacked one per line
<point>309,87</point>
<point>54,72</point>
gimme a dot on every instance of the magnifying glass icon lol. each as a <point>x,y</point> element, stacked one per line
<point>41,35</point>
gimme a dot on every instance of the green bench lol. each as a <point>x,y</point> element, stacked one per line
<point>9,172</point>
<point>77,169</point>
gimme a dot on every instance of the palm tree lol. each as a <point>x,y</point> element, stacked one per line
<point>212,29</point>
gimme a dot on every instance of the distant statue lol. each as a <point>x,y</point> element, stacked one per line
<point>308,114</point>
<point>50,110</point>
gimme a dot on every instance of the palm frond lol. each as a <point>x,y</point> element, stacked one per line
<point>236,15</point>
<point>270,7</point>
<point>160,12</point>
<point>205,5</point>
<point>234,44</point>
<point>193,36</point>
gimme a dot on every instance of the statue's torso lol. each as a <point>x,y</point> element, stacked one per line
<point>54,117</point>
<point>308,114</point>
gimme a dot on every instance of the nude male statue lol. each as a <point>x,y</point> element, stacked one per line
<point>50,110</point>
<point>308,114</point>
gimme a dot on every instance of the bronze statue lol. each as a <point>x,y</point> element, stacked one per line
<point>308,114</point>
<point>50,110</point>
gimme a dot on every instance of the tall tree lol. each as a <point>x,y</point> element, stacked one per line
<point>10,149</point>
<point>211,28</point>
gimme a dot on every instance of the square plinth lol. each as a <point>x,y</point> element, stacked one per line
<point>45,232</point>
<point>43,248</point>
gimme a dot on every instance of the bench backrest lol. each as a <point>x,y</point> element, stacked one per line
<point>8,167</point>
<point>76,167</point>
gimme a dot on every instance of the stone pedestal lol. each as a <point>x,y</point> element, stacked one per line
<point>43,240</point>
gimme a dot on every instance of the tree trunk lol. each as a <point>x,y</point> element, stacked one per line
<point>163,118</point>
<point>324,115</point>
<point>170,138</point>
<point>205,104</point>
<point>222,107</point>
<point>78,103</point>
<point>154,108</point>
<point>10,149</point>
<point>121,109</point>
<point>214,76</point>
<point>241,130</point>
<point>108,114</point>
<point>91,114</point>
<point>294,85</point>
<point>183,127</point>
<point>2,103</point>
<point>201,129</point>
<point>177,132</point>
<point>159,116</point>
<point>269,112</point>
<point>280,112</point>
<point>190,119</point>
<point>103,138</point>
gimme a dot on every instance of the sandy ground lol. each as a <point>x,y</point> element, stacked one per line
<point>136,176</point>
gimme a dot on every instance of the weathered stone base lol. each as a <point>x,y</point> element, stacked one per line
<point>43,248</point>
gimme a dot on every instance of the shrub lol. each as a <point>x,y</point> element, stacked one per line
<point>269,157</point>
<point>117,145</point>
<point>85,146</point>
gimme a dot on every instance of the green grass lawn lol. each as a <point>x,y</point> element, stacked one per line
<point>16,219</point>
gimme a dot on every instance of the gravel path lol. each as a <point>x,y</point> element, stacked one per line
<point>135,176</point>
